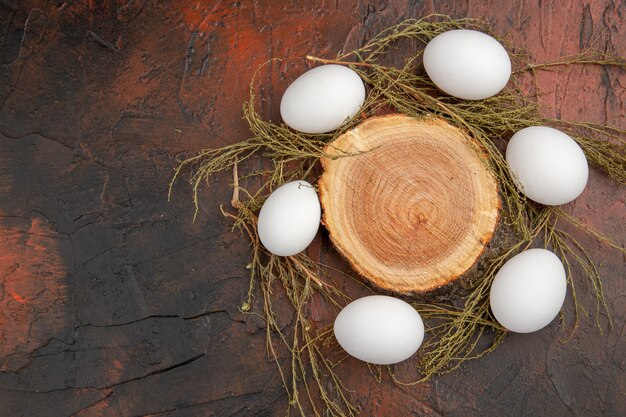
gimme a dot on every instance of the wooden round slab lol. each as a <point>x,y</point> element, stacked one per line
<point>414,208</point>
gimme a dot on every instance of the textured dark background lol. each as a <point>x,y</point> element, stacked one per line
<point>112,302</point>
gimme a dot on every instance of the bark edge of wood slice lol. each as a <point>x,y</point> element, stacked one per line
<point>414,205</point>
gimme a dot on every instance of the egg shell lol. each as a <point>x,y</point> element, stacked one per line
<point>379,329</point>
<point>322,99</point>
<point>528,291</point>
<point>467,64</point>
<point>549,167</point>
<point>289,218</point>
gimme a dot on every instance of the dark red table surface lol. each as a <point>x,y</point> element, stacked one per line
<point>112,302</point>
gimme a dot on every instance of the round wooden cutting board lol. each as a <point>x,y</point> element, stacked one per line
<point>414,205</point>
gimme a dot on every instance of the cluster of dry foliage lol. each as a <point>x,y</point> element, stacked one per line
<point>459,330</point>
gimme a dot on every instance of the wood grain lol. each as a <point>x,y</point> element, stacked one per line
<point>414,207</point>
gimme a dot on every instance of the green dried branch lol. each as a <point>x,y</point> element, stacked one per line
<point>587,57</point>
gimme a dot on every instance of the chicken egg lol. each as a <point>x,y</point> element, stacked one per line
<point>528,291</point>
<point>548,166</point>
<point>467,64</point>
<point>289,218</point>
<point>379,329</point>
<point>322,99</point>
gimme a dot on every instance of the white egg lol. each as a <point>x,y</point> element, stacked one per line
<point>322,99</point>
<point>379,329</point>
<point>528,291</point>
<point>289,218</point>
<point>548,166</point>
<point>467,64</point>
